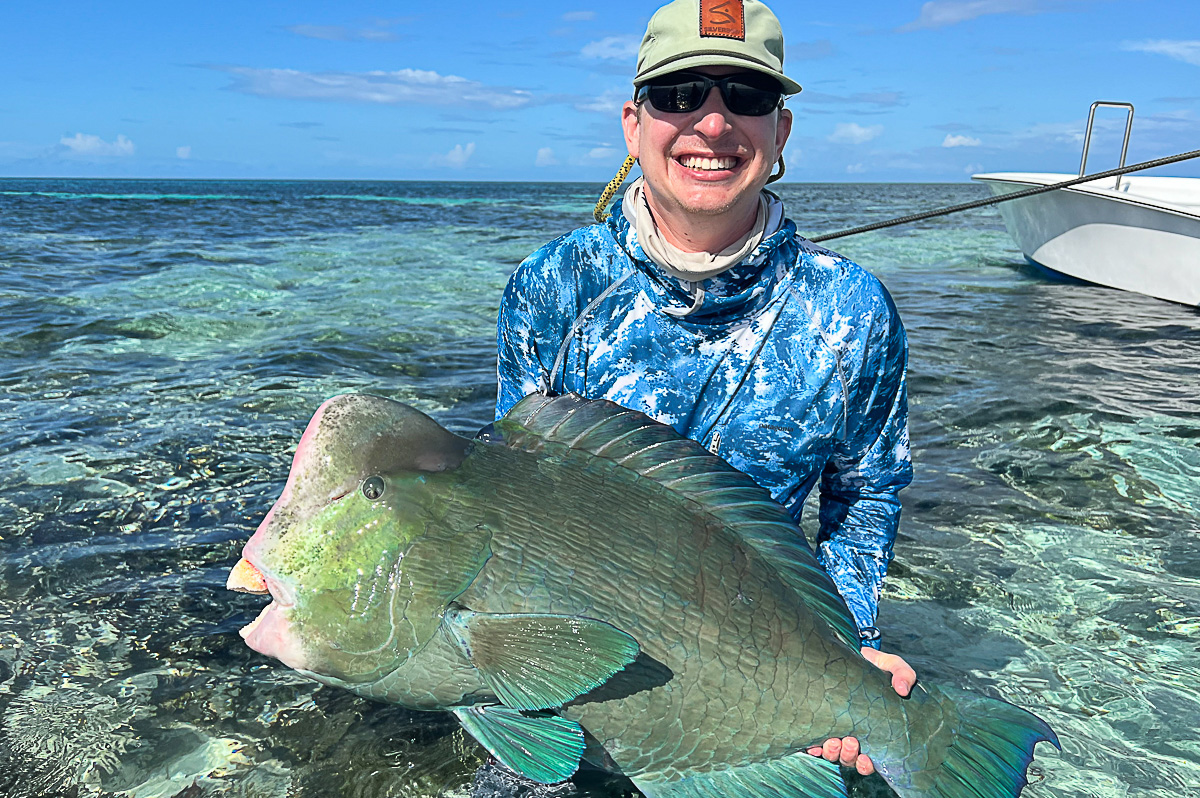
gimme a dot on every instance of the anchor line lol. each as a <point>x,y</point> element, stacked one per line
<point>1029,192</point>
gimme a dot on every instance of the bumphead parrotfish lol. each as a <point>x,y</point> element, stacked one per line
<point>585,583</point>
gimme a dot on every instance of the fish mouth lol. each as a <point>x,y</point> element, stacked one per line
<point>249,628</point>
<point>246,577</point>
<point>271,633</point>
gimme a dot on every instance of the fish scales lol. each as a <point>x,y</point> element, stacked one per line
<point>714,629</point>
<point>585,574</point>
<point>702,644</point>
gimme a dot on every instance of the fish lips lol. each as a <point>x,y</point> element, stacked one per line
<point>271,632</point>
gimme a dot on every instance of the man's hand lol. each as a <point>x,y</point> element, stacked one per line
<point>845,750</point>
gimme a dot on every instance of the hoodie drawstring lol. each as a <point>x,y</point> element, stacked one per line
<point>547,386</point>
<point>697,301</point>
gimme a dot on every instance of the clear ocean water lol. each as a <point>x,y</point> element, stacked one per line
<point>163,344</point>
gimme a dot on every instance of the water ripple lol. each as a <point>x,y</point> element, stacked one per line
<point>163,344</point>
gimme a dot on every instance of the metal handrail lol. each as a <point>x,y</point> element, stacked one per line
<point>1087,137</point>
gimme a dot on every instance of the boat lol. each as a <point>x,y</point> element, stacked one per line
<point>1137,233</point>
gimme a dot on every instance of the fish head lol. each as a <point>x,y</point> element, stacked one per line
<point>348,603</point>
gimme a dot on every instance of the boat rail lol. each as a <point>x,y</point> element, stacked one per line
<point>1087,136</point>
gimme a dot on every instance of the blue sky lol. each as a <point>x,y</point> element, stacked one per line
<point>893,91</point>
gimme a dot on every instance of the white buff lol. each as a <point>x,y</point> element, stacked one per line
<point>693,267</point>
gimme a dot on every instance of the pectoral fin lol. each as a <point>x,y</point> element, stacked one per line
<point>540,661</point>
<point>545,748</point>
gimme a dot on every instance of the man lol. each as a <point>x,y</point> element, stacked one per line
<point>699,304</point>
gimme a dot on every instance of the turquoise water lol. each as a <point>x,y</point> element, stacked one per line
<point>163,344</point>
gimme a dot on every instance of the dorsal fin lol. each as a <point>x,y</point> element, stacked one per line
<point>655,451</point>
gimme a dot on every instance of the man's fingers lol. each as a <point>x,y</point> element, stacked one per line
<point>903,676</point>
<point>849,753</point>
<point>845,752</point>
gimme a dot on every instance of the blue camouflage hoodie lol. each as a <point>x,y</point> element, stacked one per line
<point>792,369</point>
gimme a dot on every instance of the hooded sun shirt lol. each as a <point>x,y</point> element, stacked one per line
<point>789,363</point>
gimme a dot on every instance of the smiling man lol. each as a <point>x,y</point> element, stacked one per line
<point>698,303</point>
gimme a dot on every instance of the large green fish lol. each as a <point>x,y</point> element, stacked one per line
<point>585,583</point>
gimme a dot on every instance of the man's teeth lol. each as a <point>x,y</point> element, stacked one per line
<point>708,164</point>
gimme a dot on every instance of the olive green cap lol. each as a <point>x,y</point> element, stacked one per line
<point>686,34</point>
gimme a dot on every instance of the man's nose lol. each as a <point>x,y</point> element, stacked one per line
<point>714,116</point>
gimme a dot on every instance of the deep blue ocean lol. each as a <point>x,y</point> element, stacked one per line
<point>163,344</point>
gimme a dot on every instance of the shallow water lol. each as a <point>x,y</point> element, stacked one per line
<point>162,346</point>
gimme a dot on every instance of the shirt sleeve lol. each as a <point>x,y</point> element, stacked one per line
<point>859,507</point>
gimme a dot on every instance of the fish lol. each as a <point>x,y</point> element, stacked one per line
<point>580,584</point>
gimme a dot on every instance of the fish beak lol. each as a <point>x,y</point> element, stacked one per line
<point>270,633</point>
<point>245,578</point>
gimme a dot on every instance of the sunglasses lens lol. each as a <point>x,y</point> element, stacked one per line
<point>677,98</point>
<point>745,94</point>
<point>749,100</point>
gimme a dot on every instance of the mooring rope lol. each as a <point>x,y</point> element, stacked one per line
<point>1029,192</point>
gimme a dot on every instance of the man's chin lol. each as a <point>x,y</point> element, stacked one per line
<point>709,197</point>
<point>711,200</point>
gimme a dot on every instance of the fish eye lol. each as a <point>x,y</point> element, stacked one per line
<point>372,487</point>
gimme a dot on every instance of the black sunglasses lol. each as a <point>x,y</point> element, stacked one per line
<point>745,93</point>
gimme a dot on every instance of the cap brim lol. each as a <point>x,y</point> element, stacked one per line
<point>695,61</point>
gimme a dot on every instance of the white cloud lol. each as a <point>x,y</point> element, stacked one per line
<point>183,153</point>
<point>579,16</point>
<point>545,157</point>
<point>401,87</point>
<point>855,169</point>
<point>609,102</point>
<point>1185,51</point>
<point>612,48</point>
<point>604,153</point>
<point>810,51</point>
<point>955,140</point>
<point>972,168</point>
<point>851,133</point>
<point>340,33</point>
<point>457,158</point>
<point>87,144</point>
<point>940,13</point>
<point>377,36</point>
<point>883,99</point>
<point>330,33</point>
<point>1070,133</point>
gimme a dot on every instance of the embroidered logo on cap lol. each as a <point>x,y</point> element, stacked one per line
<point>724,18</point>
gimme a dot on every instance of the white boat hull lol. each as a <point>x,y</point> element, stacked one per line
<point>1143,238</point>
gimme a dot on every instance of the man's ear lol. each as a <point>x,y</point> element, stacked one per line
<point>783,129</point>
<point>629,125</point>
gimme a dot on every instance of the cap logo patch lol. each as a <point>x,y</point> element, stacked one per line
<point>724,18</point>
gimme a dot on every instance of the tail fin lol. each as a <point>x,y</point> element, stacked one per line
<point>961,745</point>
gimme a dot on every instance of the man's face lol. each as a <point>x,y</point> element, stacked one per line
<point>708,161</point>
